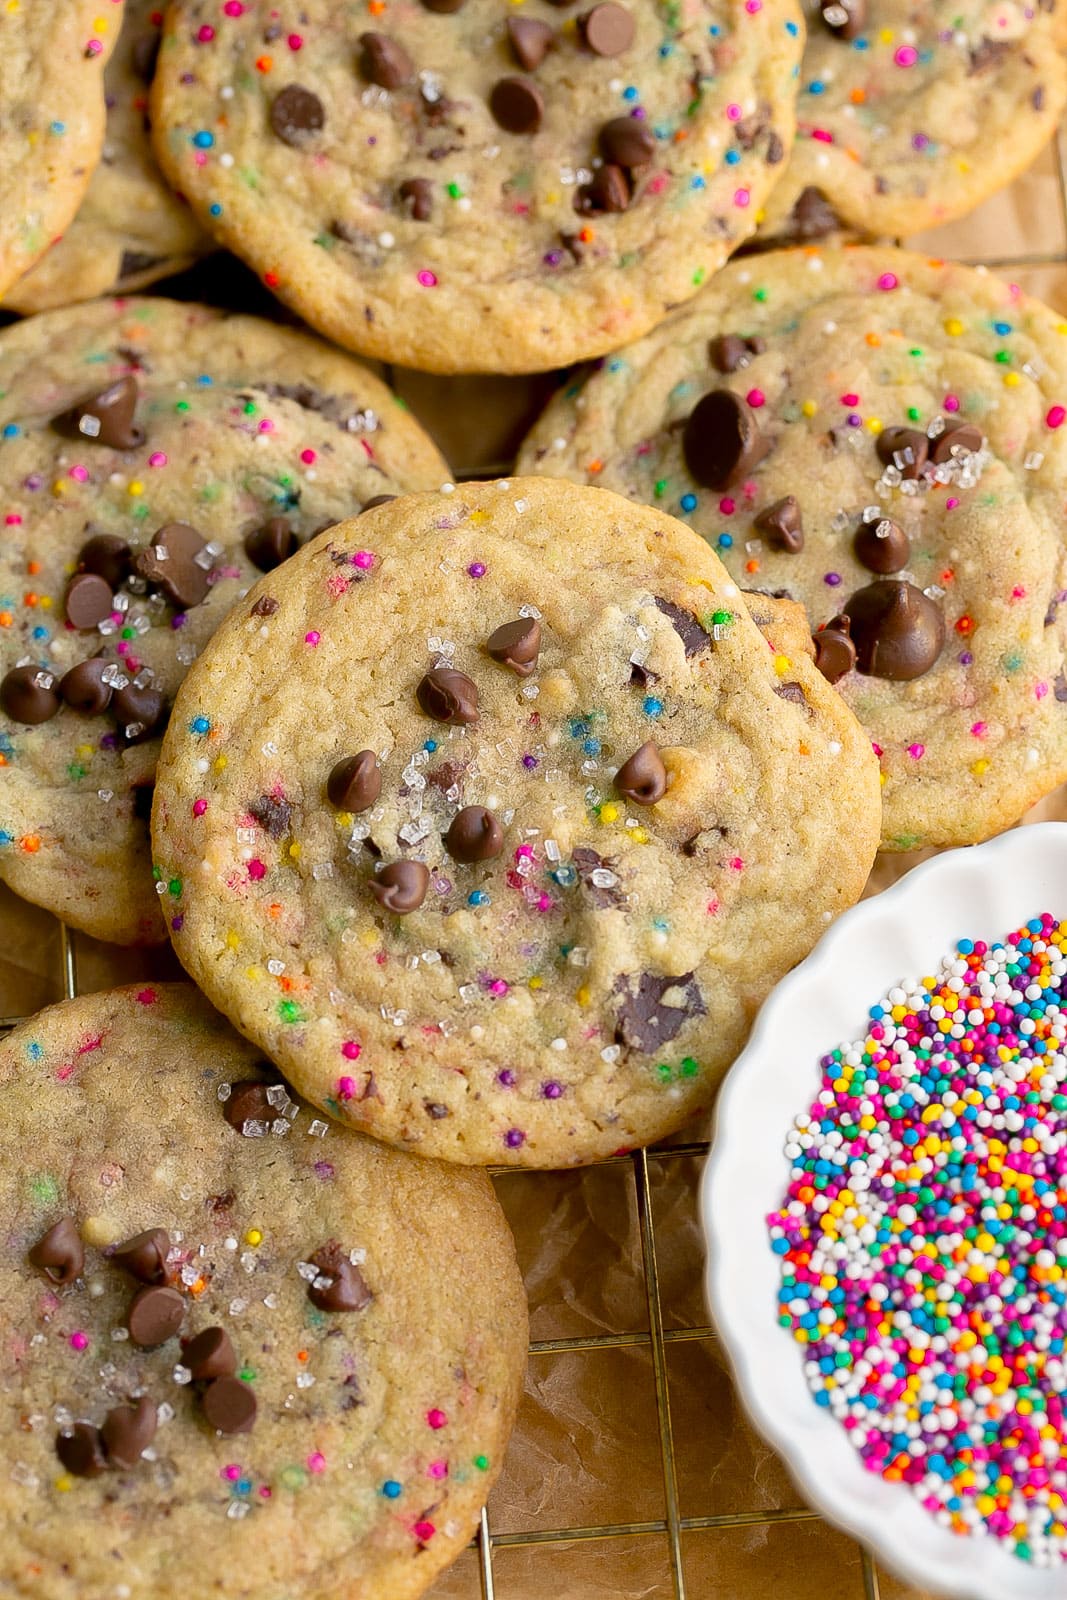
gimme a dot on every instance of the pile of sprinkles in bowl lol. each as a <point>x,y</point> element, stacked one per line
<point>923,1241</point>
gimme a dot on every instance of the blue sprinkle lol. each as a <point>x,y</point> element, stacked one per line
<point>666,49</point>
<point>1002,327</point>
<point>11,430</point>
<point>40,633</point>
<point>652,707</point>
<point>616,364</point>
<point>732,157</point>
<point>57,127</point>
<point>791,29</point>
<point>591,747</point>
<point>725,541</point>
<point>477,897</point>
<point>215,210</point>
<point>630,93</point>
<point>35,1050</point>
<point>430,746</point>
<point>860,44</point>
<point>200,725</point>
<point>205,380</point>
<point>5,837</point>
<point>203,140</point>
<point>688,502</point>
<point>391,1489</point>
<point>816,87</point>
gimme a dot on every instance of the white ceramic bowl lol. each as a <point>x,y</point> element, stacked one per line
<point>978,893</point>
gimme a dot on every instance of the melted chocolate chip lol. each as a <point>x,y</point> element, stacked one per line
<point>781,525</point>
<point>105,417</point>
<point>108,556</point>
<point>957,439</point>
<point>603,895</point>
<point>642,778</point>
<point>401,886</point>
<point>83,688</point>
<point>721,441</point>
<point>627,142</point>
<point>210,1355</point>
<point>530,41</point>
<point>474,835</point>
<point>145,1255</point>
<point>693,636</point>
<point>447,775</point>
<point>812,216</point>
<point>127,1432</point>
<point>265,606</point>
<point>748,129</point>
<point>728,352</point>
<point>516,644</point>
<point>517,105</point>
<point>794,693</point>
<point>296,115</point>
<point>170,564</point>
<point>608,190</point>
<point>882,546</point>
<point>417,195</point>
<point>247,1104</point>
<point>229,1406</point>
<point>28,695</point>
<point>272,814</point>
<point>138,712</point>
<point>340,1285</point>
<point>905,448</point>
<point>607,30</point>
<point>270,544</point>
<point>59,1253</point>
<point>355,782</point>
<point>81,1450</point>
<point>835,654</point>
<point>649,1015</point>
<point>385,62</point>
<point>448,696</point>
<point>89,600</point>
<point>897,630</point>
<point>845,18</point>
<point>155,1315</point>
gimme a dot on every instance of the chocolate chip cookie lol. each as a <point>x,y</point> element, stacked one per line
<point>130,228</point>
<point>248,1351</point>
<point>911,114</point>
<point>492,818</point>
<point>52,61</point>
<point>461,189</point>
<point>881,437</point>
<point>154,459</point>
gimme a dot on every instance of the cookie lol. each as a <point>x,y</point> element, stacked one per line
<point>130,228</point>
<point>508,825</point>
<point>880,437</point>
<point>463,190</point>
<point>909,115</point>
<point>246,1351</point>
<point>154,459</point>
<point>52,61</point>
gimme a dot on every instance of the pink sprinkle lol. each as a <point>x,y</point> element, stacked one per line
<point>752,6</point>
<point>823,135</point>
<point>437,1469</point>
<point>657,184</point>
<point>951,503</point>
<point>1040,691</point>
<point>307,457</point>
<point>951,402</point>
<point>79,1340</point>
<point>741,198</point>
<point>876,748</point>
<point>713,908</point>
<point>316,1461</point>
<point>199,159</point>
<point>888,280</point>
<point>346,1088</point>
<point>544,902</point>
<point>13,519</point>
<point>733,113</point>
<point>157,459</point>
<point>497,987</point>
<point>79,474</point>
<point>524,852</point>
<point>312,637</point>
<point>147,997</point>
<point>93,48</point>
<point>427,278</point>
<point>363,559</point>
<point>266,426</point>
<point>233,8</point>
<point>436,1419</point>
<point>1054,417</point>
<point>206,33</point>
<point>199,807</point>
<point>351,1050</point>
<point>424,1531</point>
<point>756,398</point>
<point>737,865</point>
<point>978,729</point>
<point>295,42</point>
<point>1018,592</point>
<point>264,1491</point>
<point>850,399</point>
<point>256,870</point>
<point>916,751</point>
<point>727,506</point>
<point>231,1472</point>
<point>906,56</point>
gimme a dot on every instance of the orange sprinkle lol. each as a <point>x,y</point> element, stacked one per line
<point>263,63</point>
<point>751,566</point>
<point>873,340</point>
<point>586,235</point>
<point>33,568</point>
<point>680,134</point>
<point>274,910</point>
<point>30,843</point>
<point>595,466</point>
<point>301,1355</point>
<point>376,8</point>
<point>5,619</point>
<point>858,96</point>
<point>29,599</point>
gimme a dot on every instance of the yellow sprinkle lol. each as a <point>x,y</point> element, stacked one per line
<point>99,24</point>
<point>782,664</point>
<point>552,198</point>
<point>135,488</point>
<point>253,973</point>
<point>536,982</point>
<point>253,1237</point>
<point>84,752</point>
<point>64,1483</point>
<point>885,36</point>
<point>233,941</point>
<point>343,819</point>
<point>1061,327</point>
<point>1012,380</point>
<point>953,326</point>
<point>882,779</point>
<point>609,812</point>
<point>294,849</point>
<point>808,407</point>
<point>221,763</point>
<point>46,602</point>
<point>978,767</point>
<point>368,937</point>
<point>476,518</point>
<point>639,835</point>
<point>874,424</point>
<point>59,487</point>
<point>583,996</point>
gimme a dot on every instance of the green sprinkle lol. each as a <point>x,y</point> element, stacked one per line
<point>44,1188</point>
<point>248,1374</point>
<point>174,887</point>
<point>760,295</point>
<point>289,1011</point>
<point>659,488</point>
<point>182,405</point>
<point>689,1067</point>
<point>292,1477</point>
<point>250,408</point>
<point>482,1463</point>
<point>664,1072</point>
<point>914,413</point>
<point>699,275</point>
<point>722,619</point>
<point>1003,356</point>
<point>455,191</point>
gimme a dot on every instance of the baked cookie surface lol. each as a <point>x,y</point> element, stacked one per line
<point>296,1383</point>
<point>462,189</point>
<point>130,428</point>
<point>509,823</point>
<point>881,436</point>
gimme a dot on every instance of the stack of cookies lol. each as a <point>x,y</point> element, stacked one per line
<point>486,813</point>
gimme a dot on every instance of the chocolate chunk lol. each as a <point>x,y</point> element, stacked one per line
<point>586,861</point>
<point>474,835</point>
<point>812,216</point>
<point>721,442</point>
<point>296,115</point>
<point>517,105</point>
<point>748,129</point>
<point>340,1285</point>
<point>957,439</point>
<point>355,782</point>
<point>882,545</point>
<point>444,8</point>
<point>905,448</point>
<point>155,1315</point>
<point>265,606</point>
<point>108,556</point>
<point>384,62</point>
<point>435,1110</point>
<point>106,417</point>
<point>781,526</point>
<point>898,631</point>
<point>641,675</point>
<point>127,1432</point>
<point>145,1255</point>
<point>89,600</point>
<point>447,775</point>
<point>27,694</point>
<point>247,1103</point>
<point>728,352</point>
<point>272,814</point>
<point>59,1253</point>
<point>775,150</point>
<point>516,644</point>
<point>138,712</point>
<point>835,654</point>
<point>81,1450</point>
<point>83,688</point>
<point>609,189</point>
<point>530,41</point>
<point>210,1355</point>
<point>986,53</point>
<point>229,1406</point>
<point>651,1014</point>
<point>693,636</point>
<point>794,693</point>
<point>170,563</point>
<point>448,696</point>
<point>271,544</point>
<point>845,18</point>
<point>628,142</point>
<point>607,30</point>
<point>401,886</point>
<point>643,777</point>
<point>417,195</point>
<point>376,500</point>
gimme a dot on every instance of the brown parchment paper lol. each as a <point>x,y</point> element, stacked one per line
<point>587,1447</point>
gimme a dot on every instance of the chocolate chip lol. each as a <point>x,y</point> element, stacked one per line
<point>82,1450</point>
<point>781,526</point>
<point>654,1012</point>
<point>106,417</point>
<point>27,694</point>
<point>517,644</point>
<point>447,775</point>
<point>728,352</point>
<point>127,1432</point>
<point>845,18</point>
<point>265,606</point>
<point>145,1255</point>
<point>530,41</point>
<point>448,696</point>
<point>693,636</point>
<point>296,115</point>
<point>384,62</point>
<point>401,886</point>
<point>957,439</point>
<point>155,1315</point>
<point>355,782</point>
<point>344,1288</point>
<point>83,688</point>
<point>898,631</point>
<point>417,195</point>
<point>721,442</point>
<point>627,142</point>
<point>987,53</point>
<point>643,777</point>
<point>89,600</point>
<point>435,1110</point>
<point>881,545</point>
<point>210,1355</point>
<point>608,190</point>
<point>793,693</point>
<point>247,1103</point>
<point>588,861</point>
<point>748,129</point>
<point>904,448</point>
<point>517,105</point>
<point>108,556</point>
<point>272,814</point>
<point>812,216</point>
<point>445,8</point>
<point>474,835</point>
<point>376,500</point>
<point>271,544</point>
<point>59,1253</point>
<point>607,30</point>
<point>138,712</point>
<point>229,1405</point>
<point>835,654</point>
<point>170,564</point>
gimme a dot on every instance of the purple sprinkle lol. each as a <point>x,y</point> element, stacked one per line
<point>919,141</point>
<point>553,258</point>
<point>177,923</point>
<point>832,578</point>
<point>109,741</point>
<point>965,658</point>
<point>34,481</point>
<point>853,419</point>
<point>506,1078</point>
<point>529,762</point>
<point>639,112</point>
<point>178,620</point>
<point>324,1170</point>
<point>552,1090</point>
<point>476,569</point>
<point>514,1138</point>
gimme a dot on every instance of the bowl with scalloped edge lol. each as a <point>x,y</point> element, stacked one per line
<point>981,892</point>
